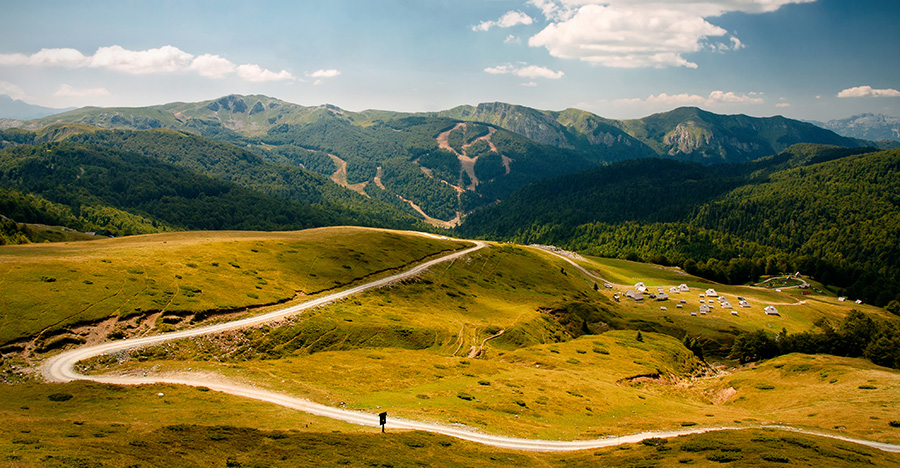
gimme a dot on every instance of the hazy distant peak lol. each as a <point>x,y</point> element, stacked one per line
<point>16,109</point>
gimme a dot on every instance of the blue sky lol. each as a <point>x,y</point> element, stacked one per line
<point>807,59</point>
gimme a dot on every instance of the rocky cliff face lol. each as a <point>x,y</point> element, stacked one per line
<point>687,138</point>
<point>531,123</point>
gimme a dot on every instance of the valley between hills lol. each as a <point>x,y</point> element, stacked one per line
<point>180,268</point>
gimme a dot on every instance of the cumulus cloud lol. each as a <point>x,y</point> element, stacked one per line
<point>640,33</point>
<point>322,75</point>
<point>330,73</point>
<point>684,99</point>
<point>524,70</point>
<point>162,60</point>
<point>166,59</point>
<point>868,91</point>
<point>508,20</point>
<point>69,91</point>
<point>257,74</point>
<point>212,66</point>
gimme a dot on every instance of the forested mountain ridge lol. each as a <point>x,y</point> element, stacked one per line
<point>228,163</point>
<point>396,157</point>
<point>392,157</point>
<point>127,193</point>
<point>829,212</point>
<point>686,133</point>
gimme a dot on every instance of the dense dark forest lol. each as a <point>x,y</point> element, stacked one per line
<point>125,193</point>
<point>828,212</point>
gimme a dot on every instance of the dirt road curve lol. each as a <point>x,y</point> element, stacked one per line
<point>61,368</point>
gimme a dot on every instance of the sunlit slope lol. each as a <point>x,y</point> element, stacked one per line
<point>134,426</point>
<point>509,340</point>
<point>49,288</point>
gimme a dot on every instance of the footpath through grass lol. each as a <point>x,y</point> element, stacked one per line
<point>84,424</point>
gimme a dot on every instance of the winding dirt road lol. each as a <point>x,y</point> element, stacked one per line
<point>61,368</point>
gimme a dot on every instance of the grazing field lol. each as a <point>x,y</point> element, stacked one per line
<point>85,424</point>
<point>50,287</point>
<point>796,312</point>
<point>507,341</point>
<point>515,341</point>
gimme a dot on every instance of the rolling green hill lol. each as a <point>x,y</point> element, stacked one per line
<point>507,341</point>
<point>825,211</point>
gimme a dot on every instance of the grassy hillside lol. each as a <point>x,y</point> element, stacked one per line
<point>509,340</point>
<point>569,362</point>
<point>828,212</point>
<point>132,426</point>
<point>184,276</point>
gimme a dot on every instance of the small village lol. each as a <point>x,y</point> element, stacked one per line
<point>709,299</point>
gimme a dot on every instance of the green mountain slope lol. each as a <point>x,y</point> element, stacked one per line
<point>229,163</point>
<point>137,194</point>
<point>692,134</point>
<point>389,156</point>
<point>413,163</point>
<point>687,133</point>
<point>822,210</point>
<point>600,139</point>
<point>443,166</point>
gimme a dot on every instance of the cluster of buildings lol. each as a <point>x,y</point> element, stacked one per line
<point>709,299</point>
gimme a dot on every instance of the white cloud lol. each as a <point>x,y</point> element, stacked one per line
<point>212,66</point>
<point>715,97</point>
<point>511,39</point>
<point>46,57</point>
<point>322,75</point>
<point>525,71</point>
<point>12,90</point>
<point>257,74</point>
<point>731,97</point>
<point>163,60</point>
<point>867,91</point>
<point>69,91</point>
<point>508,20</point>
<point>69,58</point>
<point>782,105</point>
<point>166,59</point>
<point>330,73</point>
<point>530,84</point>
<point>640,33</point>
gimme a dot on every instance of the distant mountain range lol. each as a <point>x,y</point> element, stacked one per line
<point>442,165</point>
<point>866,126</point>
<point>20,110</point>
